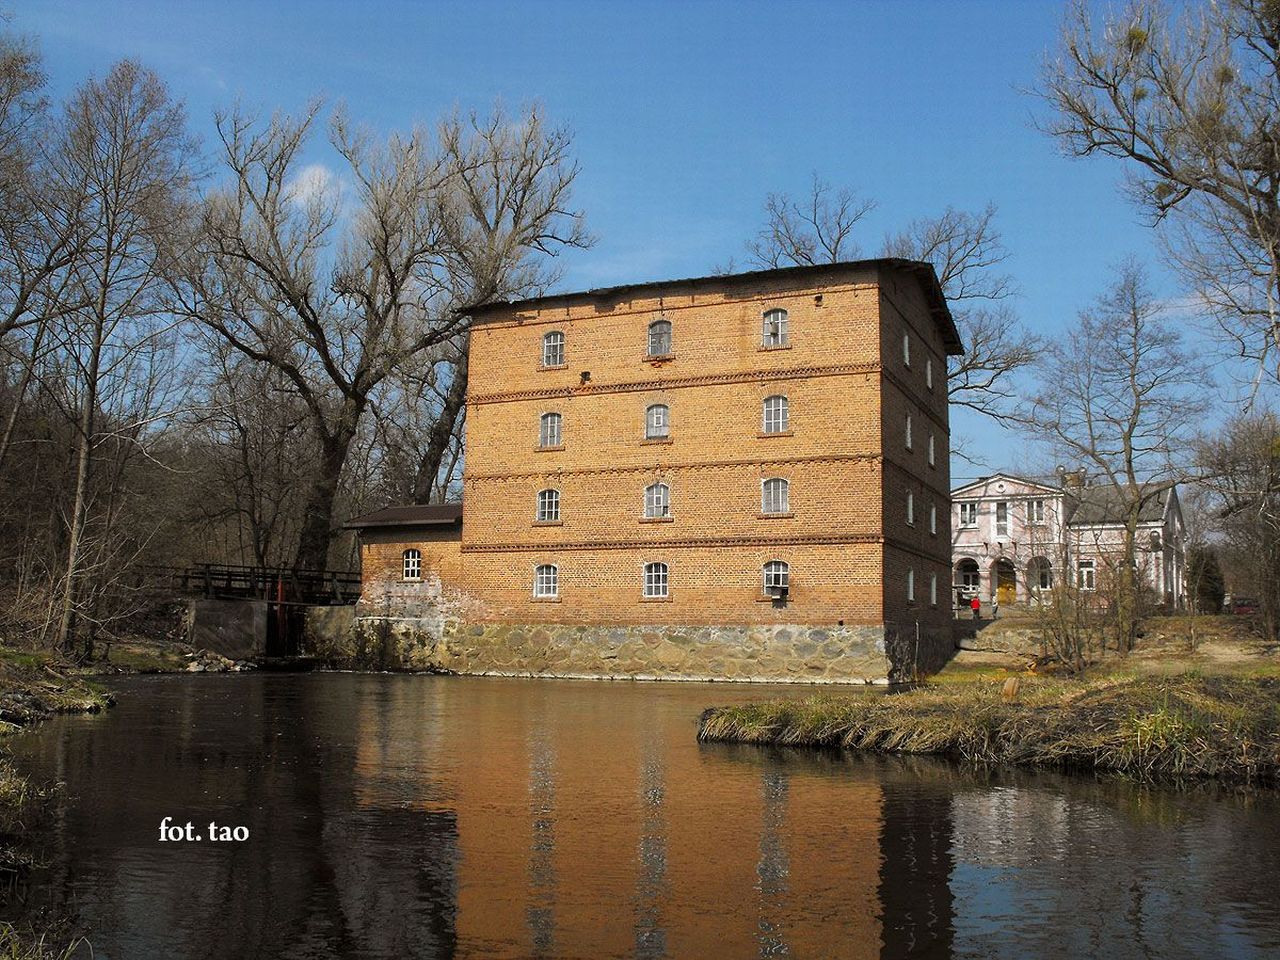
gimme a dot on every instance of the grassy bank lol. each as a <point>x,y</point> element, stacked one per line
<point>1151,727</point>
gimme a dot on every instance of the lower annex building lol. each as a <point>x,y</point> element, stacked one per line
<point>727,477</point>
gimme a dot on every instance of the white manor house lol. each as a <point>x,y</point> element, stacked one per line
<point>1013,537</point>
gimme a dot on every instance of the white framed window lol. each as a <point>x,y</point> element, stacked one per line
<point>1042,574</point>
<point>933,589</point>
<point>548,505</point>
<point>911,585</point>
<point>1035,511</point>
<point>777,577</point>
<point>932,451</point>
<point>1002,518</point>
<point>411,564</point>
<point>1086,575</point>
<point>906,435</point>
<point>933,519</point>
<point>774,332</point>
<point>777,414</point>
<point>657,500</point>
<point>549,430</point>
<point>928,373</point>
<point>655,580</point>
<point>911,509</point>
<point>553,349</point>
<point>906,349</point>
<point>775,496</point>
<point>969,514</point>
<point>546,581</point>
<point>660,338</point>
<point>657,422</point>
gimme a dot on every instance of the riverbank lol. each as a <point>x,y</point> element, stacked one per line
<point>1159,727</point>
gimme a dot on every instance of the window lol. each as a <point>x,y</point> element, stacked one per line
<point>1002,519</point>
<point>412,564</point>
<point>907,434</point>
<point>970,576</point>
<point>660,338</point>
<point>911,508</point>
<point>655,580</point>
<point>777,415</point>
<point>911,585</point>
<point>933,519</point>
<point>1041,574</point>
<point>657,422</point>
<point>657,500</point>
<point>777,578</point>
<point>1035,511</point>
<point>933,589</point>
<point>906,349</point>
<point>968,514</point>
<point>928,373</point>
<point>548,506</point>
<point>775,496</point>
<point>1085,575</point>
<point>774,333</point>
<point>546,581</point>
<point>932,458</point>
<point>553,349</point>
<point>549,432</point>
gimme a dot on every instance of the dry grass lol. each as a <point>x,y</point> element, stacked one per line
<point>1148,727</point>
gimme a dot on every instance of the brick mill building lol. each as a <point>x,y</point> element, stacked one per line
<point>736,477</point>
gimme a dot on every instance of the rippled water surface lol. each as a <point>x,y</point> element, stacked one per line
<point>396,816</point>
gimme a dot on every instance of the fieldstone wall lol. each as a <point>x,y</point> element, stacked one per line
<point>773,654</point>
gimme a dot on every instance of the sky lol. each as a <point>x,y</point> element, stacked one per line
<point>685,116</point>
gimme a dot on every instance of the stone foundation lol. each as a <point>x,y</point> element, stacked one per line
<point>772,654</point>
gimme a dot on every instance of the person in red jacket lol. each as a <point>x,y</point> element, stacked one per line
<point>976,606</point>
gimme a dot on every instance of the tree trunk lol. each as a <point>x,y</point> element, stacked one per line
<point>317,517</point>
<point>442,431</point>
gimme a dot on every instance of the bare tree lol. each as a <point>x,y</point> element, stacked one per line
<point>124,149</point>
<point>1188,101</point>
<point>965,249</point>
<point>1119,395</point>
<point>339,293</point>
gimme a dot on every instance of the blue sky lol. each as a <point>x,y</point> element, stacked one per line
<point>685,115</point>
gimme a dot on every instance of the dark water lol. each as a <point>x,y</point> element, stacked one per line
<point>394,816</point>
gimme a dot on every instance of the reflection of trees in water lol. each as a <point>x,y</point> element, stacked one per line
<point>651,881</point>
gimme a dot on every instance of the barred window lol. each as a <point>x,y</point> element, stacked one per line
<point>412,564</point>
<point>775,496</point>
<point>548,505</point>
<point>655,580</point>
<point>777,414</point>
<point>546,581</point>
<point>549,434</point>
<point>553,349</point>
<point>657,500</point>
<point>657,422</point>
<point>659,338</point>
<point>777,577</point>
<point>774,333</point>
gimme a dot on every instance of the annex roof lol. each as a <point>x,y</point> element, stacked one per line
<point>410,515</point>
<point>921,270</point>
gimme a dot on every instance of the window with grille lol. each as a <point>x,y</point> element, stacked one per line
<point>412,564</point>
<point>553,349</point>
<point>657,422</point>
<point>655,580</point>
<point>775,496</point>
<point>546,581</point>
<point>548,505</point>
<point>777,415</point>
<point>774,333</point>
<point>659,338</point>
<point>657,500</point>
<point>777,577</point>
<point>549,434</point>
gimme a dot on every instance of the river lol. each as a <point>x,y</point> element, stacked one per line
<point>411,816</point>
